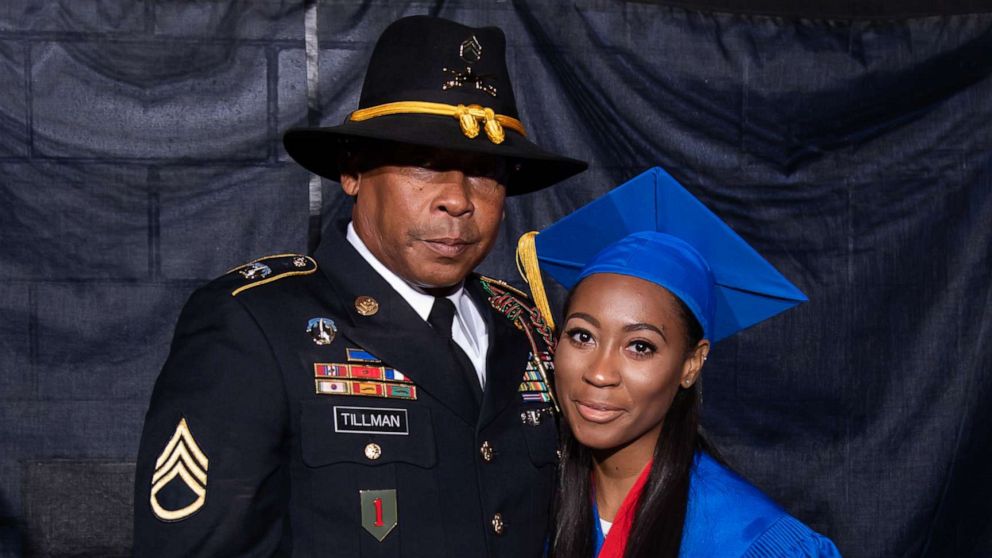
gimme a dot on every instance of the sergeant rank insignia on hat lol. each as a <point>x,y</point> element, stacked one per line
<point>272,268</point>
<point>182,461</point>
<point>470,51</point>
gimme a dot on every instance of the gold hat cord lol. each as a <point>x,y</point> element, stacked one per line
<point>468,117</point>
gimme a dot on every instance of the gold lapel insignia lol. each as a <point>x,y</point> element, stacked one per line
<point>181,458</point>
<point>366,305</point>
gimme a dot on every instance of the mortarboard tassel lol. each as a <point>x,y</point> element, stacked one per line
<point>529,269</point>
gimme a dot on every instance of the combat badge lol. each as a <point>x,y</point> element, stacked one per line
<point>322,330</point>
<point>379,514</point>
<point>181,458</point>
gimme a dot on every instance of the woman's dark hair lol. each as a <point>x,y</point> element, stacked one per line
<point>658,519</point>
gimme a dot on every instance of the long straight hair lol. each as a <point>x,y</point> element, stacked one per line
<point>659,516</point>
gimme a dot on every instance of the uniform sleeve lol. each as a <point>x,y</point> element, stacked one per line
<point>211,476</point>
<point>790,538</point>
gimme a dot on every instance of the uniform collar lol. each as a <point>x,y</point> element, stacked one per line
<point>420,301</point>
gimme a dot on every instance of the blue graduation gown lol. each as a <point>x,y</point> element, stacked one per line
<point>729,517</point>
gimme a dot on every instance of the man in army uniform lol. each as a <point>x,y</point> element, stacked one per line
<point>376,398</point>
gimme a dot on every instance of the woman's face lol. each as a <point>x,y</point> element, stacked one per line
<point>620,360</point>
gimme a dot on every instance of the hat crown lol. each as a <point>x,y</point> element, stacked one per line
<point>424,58</point>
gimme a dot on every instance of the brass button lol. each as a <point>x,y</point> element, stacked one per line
<point>497,522</point>
<point>487,452</point>
<point>373,451</point>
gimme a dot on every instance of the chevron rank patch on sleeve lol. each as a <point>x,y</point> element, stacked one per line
<point>181,464</point>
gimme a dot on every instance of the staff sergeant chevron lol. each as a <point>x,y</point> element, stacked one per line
<point>181,458</point>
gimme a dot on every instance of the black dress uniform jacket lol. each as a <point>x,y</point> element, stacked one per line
<point>281,476</point>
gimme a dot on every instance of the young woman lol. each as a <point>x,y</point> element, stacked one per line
<point>637,479</point>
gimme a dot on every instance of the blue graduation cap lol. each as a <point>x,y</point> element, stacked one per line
<point>653,229</point>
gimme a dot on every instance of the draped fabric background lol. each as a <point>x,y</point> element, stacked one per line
<point>140,156</point>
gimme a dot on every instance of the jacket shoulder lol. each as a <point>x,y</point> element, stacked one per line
<point>264,271</point>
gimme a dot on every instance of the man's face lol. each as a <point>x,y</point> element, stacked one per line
<point>428,215</point>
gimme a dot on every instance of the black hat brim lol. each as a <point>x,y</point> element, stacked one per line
<point>318,149</point>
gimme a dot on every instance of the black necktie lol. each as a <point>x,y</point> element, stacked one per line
<point>441,318</point>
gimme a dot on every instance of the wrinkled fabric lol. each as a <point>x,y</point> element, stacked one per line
<point>726,517</point>
<point>729,517</point>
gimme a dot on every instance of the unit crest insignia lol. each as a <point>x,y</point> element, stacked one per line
<point>322,330</point>
<point>181,459</point>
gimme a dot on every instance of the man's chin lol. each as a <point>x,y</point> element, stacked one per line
<point>450,279</point>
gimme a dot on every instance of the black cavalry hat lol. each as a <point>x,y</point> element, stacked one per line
<point>436,83</point>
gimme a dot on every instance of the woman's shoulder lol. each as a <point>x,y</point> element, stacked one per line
<point>728,516</point>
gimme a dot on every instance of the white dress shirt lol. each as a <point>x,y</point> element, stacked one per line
<point>468,328</point>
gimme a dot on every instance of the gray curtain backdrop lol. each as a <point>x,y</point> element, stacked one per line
<point>140,156</point>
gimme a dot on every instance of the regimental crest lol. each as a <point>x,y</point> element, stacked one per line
<point>322,330</point>
<point>181,464</point>
<point>470,51</point>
